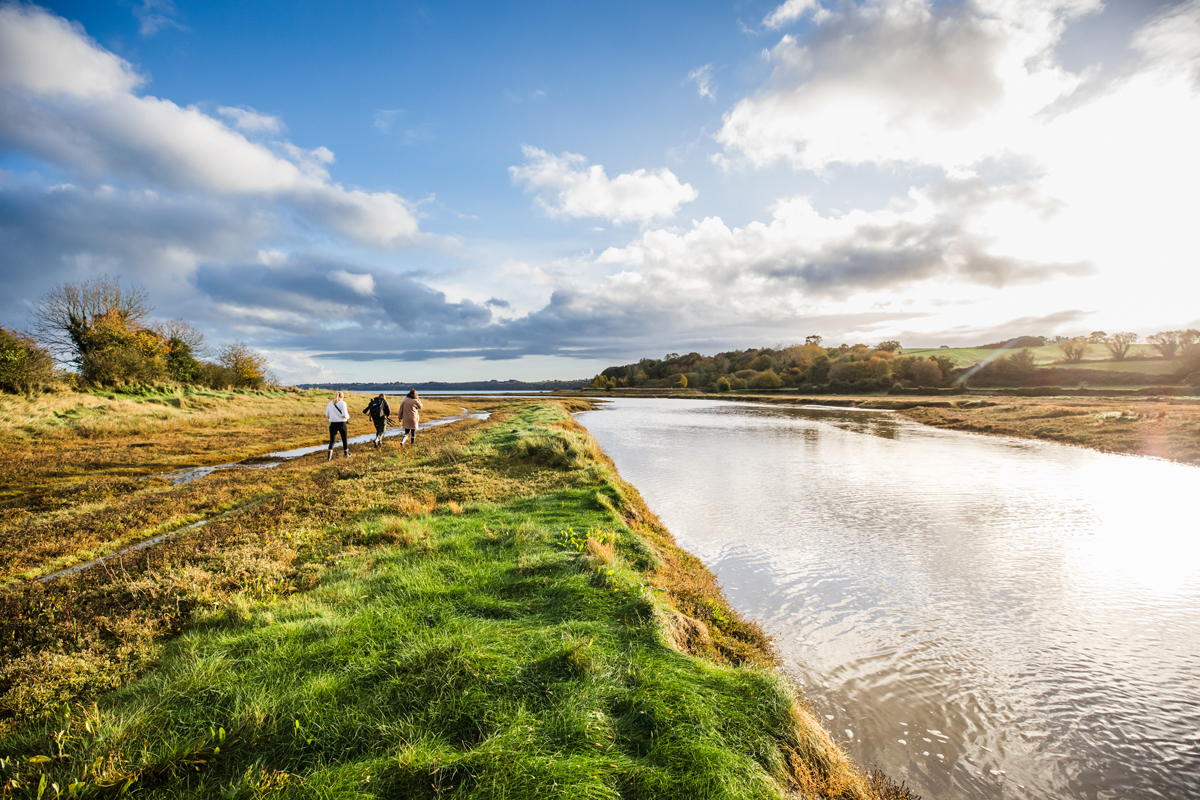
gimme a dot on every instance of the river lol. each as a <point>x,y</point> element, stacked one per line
<point>980,617</point>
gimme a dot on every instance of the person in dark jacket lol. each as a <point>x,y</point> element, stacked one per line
<point>379,410</point>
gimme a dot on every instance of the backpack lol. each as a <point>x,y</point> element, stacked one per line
<point>372,407</point>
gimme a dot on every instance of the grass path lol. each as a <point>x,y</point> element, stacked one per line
<point>493,614</point>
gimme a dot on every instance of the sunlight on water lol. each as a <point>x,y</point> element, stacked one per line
<point>981,617</point>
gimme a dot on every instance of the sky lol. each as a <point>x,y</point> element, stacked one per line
<point>379,191</point>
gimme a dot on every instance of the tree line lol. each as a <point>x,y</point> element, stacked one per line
<point>807,366</point>
<point>99,333</point>
<point>884,367</point>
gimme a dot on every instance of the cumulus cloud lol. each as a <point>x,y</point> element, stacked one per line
<point>65,99</point>
<point>802,256</point>
<point>907,81</point>
<point>567,187</point>
<point>789,12</point>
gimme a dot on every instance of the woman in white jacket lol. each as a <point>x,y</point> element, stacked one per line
<point>338,415</point>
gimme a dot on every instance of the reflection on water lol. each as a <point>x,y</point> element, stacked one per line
<point>980,617</point>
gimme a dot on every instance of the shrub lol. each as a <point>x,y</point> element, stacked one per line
<point>24,366</point>
<point>723,384</point>
<point>766,380</point>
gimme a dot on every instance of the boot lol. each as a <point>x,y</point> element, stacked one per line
<point>346,453</point>
<point>329,454</point>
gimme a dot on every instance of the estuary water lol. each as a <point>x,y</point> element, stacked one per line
<point>979,617</point>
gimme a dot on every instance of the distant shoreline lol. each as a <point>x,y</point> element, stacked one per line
<point>452,386</point>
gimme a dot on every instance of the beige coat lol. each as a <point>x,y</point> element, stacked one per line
<point>410,413</point>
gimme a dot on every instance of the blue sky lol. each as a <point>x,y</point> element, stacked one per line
<point>392,191</point>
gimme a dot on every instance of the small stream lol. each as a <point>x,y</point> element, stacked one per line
<point>980,617</point>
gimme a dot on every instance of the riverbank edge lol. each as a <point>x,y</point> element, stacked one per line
<point>1157,427</point>
<point>690,614</point>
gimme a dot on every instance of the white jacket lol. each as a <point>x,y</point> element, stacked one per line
<point>337,411</point>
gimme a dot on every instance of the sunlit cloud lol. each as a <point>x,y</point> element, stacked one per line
<point>567,187</point>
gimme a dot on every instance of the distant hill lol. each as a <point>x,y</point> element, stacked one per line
<point>454,386</point>
<point>1018,342</point>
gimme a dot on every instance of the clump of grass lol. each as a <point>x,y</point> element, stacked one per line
<point>556,449</point>
<point>453,507</point>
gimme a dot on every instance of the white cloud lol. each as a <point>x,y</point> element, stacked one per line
<point>904,81</point>
<point>790,11</point>
<point>154,15</point>
<point>568,187</point>
<point>249,120</point>
<point>1171,43</point>
<point>65,99</point>
<point>703,78</point>
<point>363,284</point>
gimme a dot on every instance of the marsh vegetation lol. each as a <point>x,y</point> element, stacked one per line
<point>492,613</point>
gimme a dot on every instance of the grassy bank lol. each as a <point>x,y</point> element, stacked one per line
<point>492,613</point>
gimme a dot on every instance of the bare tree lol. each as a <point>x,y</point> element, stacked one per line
<point>1165,342</point>
<point>247,367</point>
<point>1119,343</point>
<point>64,316</point>
<point>1075,348</point>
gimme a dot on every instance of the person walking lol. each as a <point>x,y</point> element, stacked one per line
<point>410,415</point>
<point>338,416</point>
<point>379,410</point>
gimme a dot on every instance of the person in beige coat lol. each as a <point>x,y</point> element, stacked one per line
<point>410,416</point>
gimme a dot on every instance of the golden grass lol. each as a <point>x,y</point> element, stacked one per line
<point>76,637</point>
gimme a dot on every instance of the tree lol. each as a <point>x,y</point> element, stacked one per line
<point>184,345</point>
<point>1097,337</point>
<point>890,346</point>
<point>1119,343</point>
<point>1165,342</point>
<point>65,316</point>
<point>723,384</point>
<point>814,339</point>
<point>24,366</point>
<point>926,373</point>
<point>247,368</point>
<point>1074,349</point>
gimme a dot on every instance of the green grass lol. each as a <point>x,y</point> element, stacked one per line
<point>507,648</point>
<point>1051,355</point>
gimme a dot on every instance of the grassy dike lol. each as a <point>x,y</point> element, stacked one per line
<point>493,613</point>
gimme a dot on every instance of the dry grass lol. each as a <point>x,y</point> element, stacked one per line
<point>78,637</point>
<point>1162,428</point>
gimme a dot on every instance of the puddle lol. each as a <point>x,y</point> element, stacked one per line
<point>189,474</point>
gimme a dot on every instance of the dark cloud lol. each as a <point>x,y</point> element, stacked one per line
<point>496,302</point>
<point>68,233</point>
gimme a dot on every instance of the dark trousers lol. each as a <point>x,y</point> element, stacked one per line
<point>380,425</point>
<point>411,432</point>
<point>336,428</point>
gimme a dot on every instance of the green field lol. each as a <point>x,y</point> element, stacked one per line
<point>1051,355</point>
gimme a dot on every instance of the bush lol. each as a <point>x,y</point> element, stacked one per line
<point>766,380</point>
<point>24,366</point>
<point>723,384</point>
